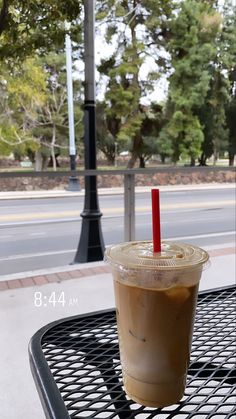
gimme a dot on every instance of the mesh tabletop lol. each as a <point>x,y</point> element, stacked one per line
<point>76,366</point>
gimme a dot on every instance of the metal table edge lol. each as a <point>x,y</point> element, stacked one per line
<point>41,374</point>
<point>41,371</point>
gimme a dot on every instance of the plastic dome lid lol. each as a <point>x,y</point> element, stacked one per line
<point>139,255</point>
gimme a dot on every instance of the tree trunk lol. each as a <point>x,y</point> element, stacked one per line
<point>215,157</point>
<point>54,162</point>
<point>110,159</point>
<point>141,162</point>
<point>163,158</point>
<point>231,159</point>
<point>137,141</point>
<point>50,163</point>
<point>4,15</point>
<point>131,161</point>
<point>45,162</point>
<point>202,160</point>
<point>192,163</point>
<point>38,161</point>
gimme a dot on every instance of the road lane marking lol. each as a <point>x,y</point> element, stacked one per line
<point>40,233</point>
<point>39,222</point>
<point>109,211</point>
<point>61,252</point>
<point>34,255</point>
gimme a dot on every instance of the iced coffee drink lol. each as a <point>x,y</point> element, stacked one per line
<point>156,296</point>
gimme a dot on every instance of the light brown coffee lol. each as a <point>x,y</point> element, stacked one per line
<point>155,333</point>
<point>156,296</point>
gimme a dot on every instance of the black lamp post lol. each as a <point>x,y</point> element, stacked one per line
<point>91,244</point>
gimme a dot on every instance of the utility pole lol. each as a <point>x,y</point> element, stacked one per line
<point>91,244</point>
<point>73,180</point>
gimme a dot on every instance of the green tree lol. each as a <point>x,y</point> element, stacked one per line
<point>7,130</point>
<point>135,27</point>
<point>23,94</point>
<point>192,47</point>
<point>206,117</point>
<point>32,25</point>
<point>231,106</point>
<point>164,141</point>
<point>231,118</point>
<point>107,130</point>
<point>35,110</point>
<point>212,114</point>
<point>52,127</point>
<point>149,133</point>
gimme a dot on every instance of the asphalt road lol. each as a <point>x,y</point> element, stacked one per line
<point>42,233</point>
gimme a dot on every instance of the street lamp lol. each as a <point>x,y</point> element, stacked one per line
<point>91,244</point>
<point>74,184</point>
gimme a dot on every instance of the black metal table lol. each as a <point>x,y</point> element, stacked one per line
<point>76,367</point>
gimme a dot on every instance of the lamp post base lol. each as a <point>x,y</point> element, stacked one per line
<point>91,246</point>
<point>74,185</point>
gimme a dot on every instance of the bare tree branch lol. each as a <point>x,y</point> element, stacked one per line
<point>20,140</point>
<point>62,101</point>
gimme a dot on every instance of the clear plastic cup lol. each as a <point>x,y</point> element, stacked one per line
<point>156,296</point>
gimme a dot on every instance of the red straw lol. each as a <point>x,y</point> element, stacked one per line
<point>156,225</point>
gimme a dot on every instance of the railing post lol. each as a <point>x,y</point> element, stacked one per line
<point>129,207</point>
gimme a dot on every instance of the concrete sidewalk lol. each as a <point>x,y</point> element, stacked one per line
<point>86,288</point>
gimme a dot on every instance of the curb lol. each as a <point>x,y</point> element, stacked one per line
<point>35,280</point>
<point>43,277</point>
<point>11,195</point>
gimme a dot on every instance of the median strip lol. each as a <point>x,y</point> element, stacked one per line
<point>111,211</point>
